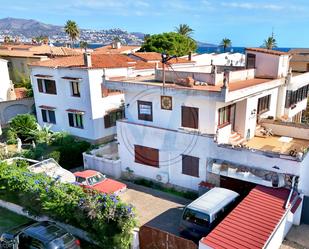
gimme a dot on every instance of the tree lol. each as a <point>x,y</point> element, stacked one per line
<point>72,30</point>
<point>225,43</point>
<point>270,42</point>
<point>171,43</point>
<point>7,39</point>
<point>184,29</point>
<point>22,126</point>
<point>83,44</point>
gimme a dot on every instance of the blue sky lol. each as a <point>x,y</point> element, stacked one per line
<point>246,23</point>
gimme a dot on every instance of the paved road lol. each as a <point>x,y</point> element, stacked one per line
<point>155,208</point>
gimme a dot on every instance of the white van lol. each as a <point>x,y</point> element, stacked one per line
<point>203,214</point>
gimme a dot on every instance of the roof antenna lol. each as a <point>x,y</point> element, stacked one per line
<point>165,58</point>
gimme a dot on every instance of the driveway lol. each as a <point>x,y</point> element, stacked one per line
<point>297,238</point>
<point>155,208</point>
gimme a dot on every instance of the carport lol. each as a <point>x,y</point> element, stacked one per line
<point>261,220</point>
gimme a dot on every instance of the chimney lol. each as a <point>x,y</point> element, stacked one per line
<point>87,59</point>
<point>118,44</point>
<point>190,56</point>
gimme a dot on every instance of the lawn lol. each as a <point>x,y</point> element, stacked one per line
<point>9,220</point>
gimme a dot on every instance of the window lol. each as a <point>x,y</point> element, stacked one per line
<point>47,86</point>
<point>48,116</point>
<point>146,155</point>
<point>81,180</point>
<point>263,104</point>
<point>111,118</point>
<point>75,88</point>
<point>189,117</point>
<point>293,97</point>
<point>76,120</point>
<point>144,110</point>
<point>196,217</point>
<point>251,60</point>
<point>190,165</point>
<point>226,115</point>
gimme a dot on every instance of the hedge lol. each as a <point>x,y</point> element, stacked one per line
<point>109,221</point>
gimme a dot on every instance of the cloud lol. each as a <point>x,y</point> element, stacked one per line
<point>250,6</point>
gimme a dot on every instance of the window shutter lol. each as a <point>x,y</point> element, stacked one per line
<point>146,155</point>
<point>107,121</point>
<point>288,99</point>
<point>189,117</point>
<point>40,85</point>
<point>44,116</point>
<point>50,86</point>
<point>190,165</point>
<point>71,119</point>
<point>52,117</point>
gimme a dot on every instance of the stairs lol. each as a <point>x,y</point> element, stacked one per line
<point>236,139</point>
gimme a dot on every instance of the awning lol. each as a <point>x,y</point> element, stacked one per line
<point>46,107</point>
<point>43,76</point>
<point>71,78</point>
<point>75,111</point>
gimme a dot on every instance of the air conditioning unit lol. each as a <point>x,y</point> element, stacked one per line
<point>162,177</point>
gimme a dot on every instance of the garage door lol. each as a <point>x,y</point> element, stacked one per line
<point>305,211</point>
<point>241,187</point>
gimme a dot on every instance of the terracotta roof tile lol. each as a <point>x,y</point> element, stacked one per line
<point>252,222</point>
<point>267,51</point>
<point>21,92</point>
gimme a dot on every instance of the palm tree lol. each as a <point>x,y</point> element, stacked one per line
<point>72,30</point>
<point>184,29</point>
<point>270,42</point>
<point>225,43</point>
<point>83,44</point>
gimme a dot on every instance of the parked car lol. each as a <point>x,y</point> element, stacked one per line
<point>52,169</point>
<point>97,181</point>
<point>204,213</point>
<point>38,235</point>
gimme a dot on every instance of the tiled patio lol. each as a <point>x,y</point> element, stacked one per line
<point>272,143</point>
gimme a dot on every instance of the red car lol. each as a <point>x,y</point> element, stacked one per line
<point>95,180</point>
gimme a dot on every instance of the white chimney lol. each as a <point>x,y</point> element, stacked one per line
<point>87,59</point>
<point>118,45</point>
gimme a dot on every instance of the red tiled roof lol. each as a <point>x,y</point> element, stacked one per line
<point>267,51</point>
<point>98,61</point>
<point>252,222</point>
<point>21,92</point>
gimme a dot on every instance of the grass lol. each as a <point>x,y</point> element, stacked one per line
<point>151,184</point>
<point>10,220</point>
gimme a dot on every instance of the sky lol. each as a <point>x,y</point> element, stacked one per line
<point>246,23</point>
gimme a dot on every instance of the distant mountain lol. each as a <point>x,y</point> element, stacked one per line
<point>139,35</point>
<point>28,28</point>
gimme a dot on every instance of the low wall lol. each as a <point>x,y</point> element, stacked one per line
<point>103,165</point>
<point>9,109</point>
<point>295,130</point>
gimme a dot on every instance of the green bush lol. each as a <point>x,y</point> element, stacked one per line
<point>105,217</point>
<point>55,155</point>
<point>22,126</point>
<point>11,137</point>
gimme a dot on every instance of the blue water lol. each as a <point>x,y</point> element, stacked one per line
<point>200,50</point>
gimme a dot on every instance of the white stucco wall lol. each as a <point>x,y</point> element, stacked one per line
<point>4,80</point>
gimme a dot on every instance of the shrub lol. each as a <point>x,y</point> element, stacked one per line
<point>105,217</point>
<point>55,155</point>
<point>22,126</point>
<point>11,137</point>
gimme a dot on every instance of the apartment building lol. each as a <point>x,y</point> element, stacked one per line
<point>233,128</point>
<point>69,95</point>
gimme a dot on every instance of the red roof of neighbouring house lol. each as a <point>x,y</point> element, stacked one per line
<point>252,222</point>
<point>267,51</point>
<point>21,92</point>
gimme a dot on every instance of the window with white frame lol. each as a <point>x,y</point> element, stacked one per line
<point>75,91</point>
<point>48,116</point>
<point>76,120</point>
<point>47,86</point>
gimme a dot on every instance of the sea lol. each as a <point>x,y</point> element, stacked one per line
<point>200,50</point>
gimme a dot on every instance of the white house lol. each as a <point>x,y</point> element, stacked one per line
<point>69,95</point>
<point>226,128</point>
<point>5,82</point>
<point>221,59</point>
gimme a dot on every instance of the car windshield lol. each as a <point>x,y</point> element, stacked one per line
<point>196,217</point>
<point>96,179</point>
